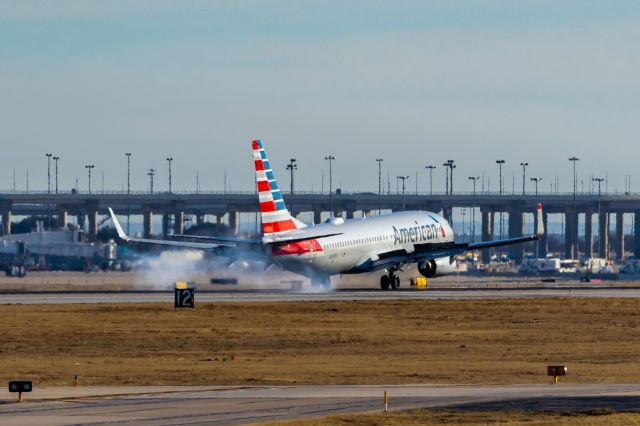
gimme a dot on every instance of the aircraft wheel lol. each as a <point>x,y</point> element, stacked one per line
<point>394,281</point>
<point>384,282</point>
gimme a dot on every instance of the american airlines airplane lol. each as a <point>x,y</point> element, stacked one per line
<point>378,243</point>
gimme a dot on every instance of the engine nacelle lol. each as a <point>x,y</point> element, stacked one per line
<point>437,267</point>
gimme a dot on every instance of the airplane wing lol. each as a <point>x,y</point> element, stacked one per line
<point>453,249</point>
<point>184,244</point>
<point>221,239</point>
<point>426,252</point>
<point>505,242</point>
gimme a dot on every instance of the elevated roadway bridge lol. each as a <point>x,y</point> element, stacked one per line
<point>174,206</point>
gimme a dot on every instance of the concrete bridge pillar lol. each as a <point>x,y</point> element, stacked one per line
<point>178,222</point>
<point>515,230</point>
<point>447,213</point>
<point>165,224</point>
<point>636,234</point>
<point>62,217</point>
<point>487,230</point>
<point>233,221</point>
<point>603,234</point>
<point>543,241</point>
<point>6,207</point>
<point>91,209</point>
<point>619,235</point>
<point>571,234</point>
<point>219,219</point>
<point>6,222</point>
<point>93,224</point>
<point>199,219</point>
<point>350,214</point>
<point>147,223</point>
<point>80,220</point>
<point>588,234</point>
<point>317,216</point>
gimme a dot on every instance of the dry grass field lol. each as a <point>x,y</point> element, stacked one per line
<point>394,342</point>
<point>450,417</point>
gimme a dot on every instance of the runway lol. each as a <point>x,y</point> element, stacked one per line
<point>161,405</point>
<point>297,296</point>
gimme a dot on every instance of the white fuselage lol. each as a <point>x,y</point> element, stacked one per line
<point>362,241</point>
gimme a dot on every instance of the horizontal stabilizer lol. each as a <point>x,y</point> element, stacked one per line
<point>294,236</point>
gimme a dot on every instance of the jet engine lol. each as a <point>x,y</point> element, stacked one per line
<point>437,267</point>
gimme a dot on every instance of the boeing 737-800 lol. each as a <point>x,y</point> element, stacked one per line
<point>386,242</point>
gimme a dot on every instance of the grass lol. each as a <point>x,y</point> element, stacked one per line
<point>449,417</point>
<point>389,342</point>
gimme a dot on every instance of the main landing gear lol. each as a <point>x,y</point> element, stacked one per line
<point>390,280</point>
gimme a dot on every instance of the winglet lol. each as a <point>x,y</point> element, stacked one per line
<point>121,233</point>
<point>540,230</point>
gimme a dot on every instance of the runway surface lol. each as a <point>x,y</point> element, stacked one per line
<point>339,295</point>
<point>237,405</point>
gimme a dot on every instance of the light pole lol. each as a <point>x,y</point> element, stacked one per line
<point>473,212</point>
<point>330,159</point>
<point>128,154</point>
<point>536,180</point>
<point>524,173</point>
<point>89,167</point>
<point>56,158</point>
<point>151,173</point>
<point>430,168</point>
<point>169,160</point>
<point>451,167</point>
<point>379,160</point>
<point>404,179</point>
<point>292,166</point>
<point>500,163</point>
<point>446,165</point>
<point>574,215</point>
<point>575,183</point>
<point>49,172</point>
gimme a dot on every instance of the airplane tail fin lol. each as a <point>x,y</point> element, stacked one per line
<point>276,219</point>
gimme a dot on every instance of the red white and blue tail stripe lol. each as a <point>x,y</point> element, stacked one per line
<point>276,219</point>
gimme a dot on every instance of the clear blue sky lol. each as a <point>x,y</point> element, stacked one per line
<point>414,82</point>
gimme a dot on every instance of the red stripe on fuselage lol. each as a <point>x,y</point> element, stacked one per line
<point>282,226</point>
<point>299,247</point>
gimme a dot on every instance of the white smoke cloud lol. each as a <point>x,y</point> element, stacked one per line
<point>161,272</point>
